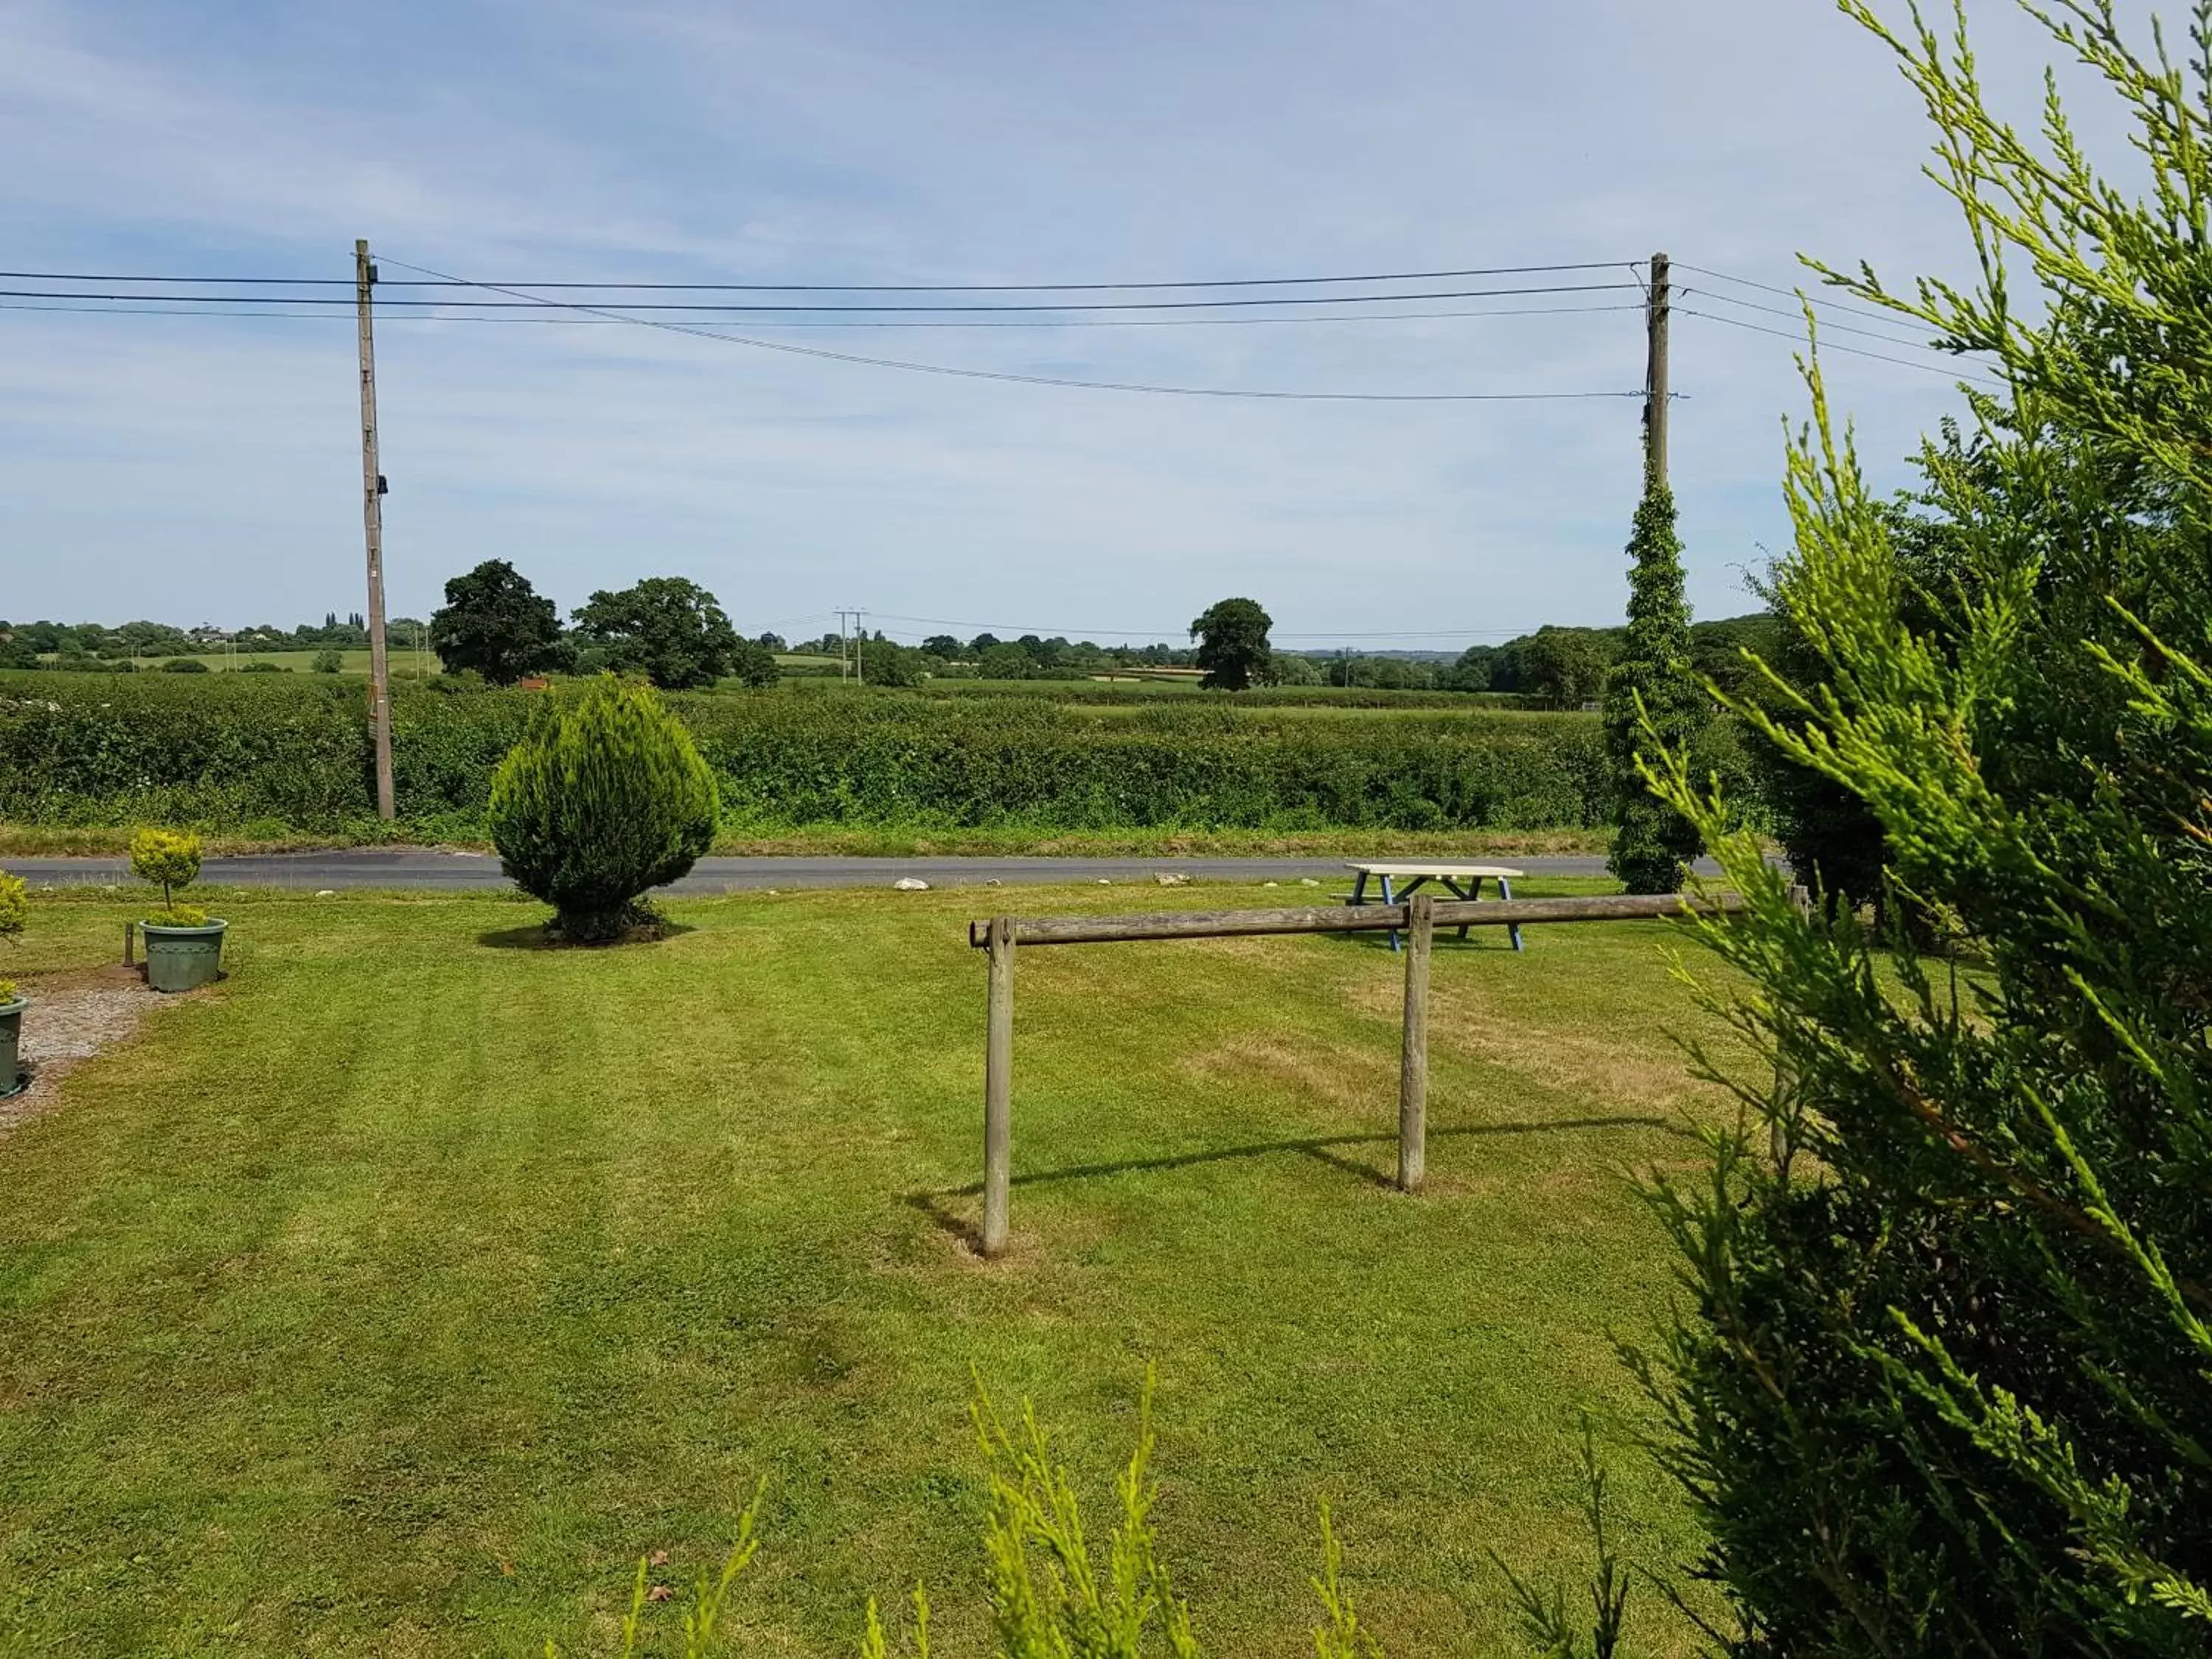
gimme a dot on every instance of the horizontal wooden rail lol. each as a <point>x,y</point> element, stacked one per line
<point>1349,919</point>
<point>1417,918</point>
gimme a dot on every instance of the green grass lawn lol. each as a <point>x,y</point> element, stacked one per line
<point>396,1296</point>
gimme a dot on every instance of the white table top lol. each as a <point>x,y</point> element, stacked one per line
<point>1456,871</point>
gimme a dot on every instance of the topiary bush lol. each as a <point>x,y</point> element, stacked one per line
<point>15,916</point>
<point>170,859</point>
<point>605,799</point>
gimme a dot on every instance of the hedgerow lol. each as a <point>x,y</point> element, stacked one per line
<point>224,752</point>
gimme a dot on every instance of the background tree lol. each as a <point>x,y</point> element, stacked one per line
<point>1943,1390</point>
<point>1232,644</point>
<point>494,622</point>
<point>1566,667</point>
<point>755,665</point>
<point>1651,702</point>
<point>667,628</point>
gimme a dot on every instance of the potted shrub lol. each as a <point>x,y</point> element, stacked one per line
<point>14,911</point>
<point>184,944</point>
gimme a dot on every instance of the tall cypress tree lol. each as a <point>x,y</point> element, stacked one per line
<point>1653,843</point>
<point>1940,1384</point>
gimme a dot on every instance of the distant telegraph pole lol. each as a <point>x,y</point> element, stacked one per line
<point>860,638</point>
<point>1655,375</point>
<point>372,514</point>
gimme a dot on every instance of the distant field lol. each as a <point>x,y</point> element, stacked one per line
<point>405,662</point>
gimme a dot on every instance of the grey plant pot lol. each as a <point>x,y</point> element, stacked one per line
<point>183,958</point>
<point>12,1080</point>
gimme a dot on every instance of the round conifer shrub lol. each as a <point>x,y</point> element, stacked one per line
<point>605,799</point>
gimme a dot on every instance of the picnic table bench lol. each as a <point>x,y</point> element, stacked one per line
<point>1396,880</point>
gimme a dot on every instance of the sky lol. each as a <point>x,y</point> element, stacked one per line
<point>197,468</point>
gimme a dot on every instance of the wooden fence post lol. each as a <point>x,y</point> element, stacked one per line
<point>998,1090</point>
<point>128,929</point>
<point>1413,1066</point>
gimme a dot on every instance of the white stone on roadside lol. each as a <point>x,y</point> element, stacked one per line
<point>1102,882</point>
<point>1172,878</point>
<point>911,885</point>
<point>1308,881</point>
<point>1271,884</point>
<point>326,892</point>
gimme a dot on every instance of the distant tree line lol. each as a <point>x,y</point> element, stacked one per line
<point>93,645</point>
<point>495,625</point>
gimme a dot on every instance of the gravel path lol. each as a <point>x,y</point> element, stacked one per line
<point>69,1021</point>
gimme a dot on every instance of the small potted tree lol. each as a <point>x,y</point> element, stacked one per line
<point>14,911</point>
<point>184,946</point>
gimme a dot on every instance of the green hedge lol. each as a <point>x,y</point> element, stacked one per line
<point>229,752</point>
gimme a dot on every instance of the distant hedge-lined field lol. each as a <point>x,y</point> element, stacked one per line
<point>266,753</point>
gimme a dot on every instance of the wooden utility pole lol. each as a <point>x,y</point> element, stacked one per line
<point>372,516</point>
<point>1655,374</point>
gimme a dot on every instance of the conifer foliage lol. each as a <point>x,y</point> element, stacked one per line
<point>1650,695</point>
<point>1943,1387</point>
<point>605,799</point>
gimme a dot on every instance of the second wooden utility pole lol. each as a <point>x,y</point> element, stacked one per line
<point>1655,374</point>
<point>372,514</point>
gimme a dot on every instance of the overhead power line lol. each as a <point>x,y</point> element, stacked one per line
<point>1872,312</point>
<point>787,346</point>
<point>1826,327</point>
<point>1958,371</point>
<point>1039,322</point>
<point>851,288</point>
<point>525,299</point>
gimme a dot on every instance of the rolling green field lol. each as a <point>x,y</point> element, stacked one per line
<point>405,661</point>
<point>269,757</point>
<point>397,1294</point>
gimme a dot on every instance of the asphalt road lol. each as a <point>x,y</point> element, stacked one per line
<point>387,869</point>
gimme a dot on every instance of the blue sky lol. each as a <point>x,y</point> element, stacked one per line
<point>197,468</point>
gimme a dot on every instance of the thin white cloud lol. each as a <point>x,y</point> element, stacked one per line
<point>184,466</point>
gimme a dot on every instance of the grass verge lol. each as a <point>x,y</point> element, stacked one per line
<point>835,840</point>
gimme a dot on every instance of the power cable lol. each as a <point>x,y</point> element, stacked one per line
<point>1035,380</point>
<point>527,299</point>
<point>1101,322</point>
<point>1959,373</point>
<point>1872,312</point>
<point>847,287</point>
<point>1826,327</point>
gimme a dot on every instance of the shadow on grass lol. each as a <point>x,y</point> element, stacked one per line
<point>540,936</point>
<point>1324,1147</point>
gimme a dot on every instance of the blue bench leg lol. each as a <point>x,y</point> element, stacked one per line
<point>1390,897</point>
<point>1505,891</point>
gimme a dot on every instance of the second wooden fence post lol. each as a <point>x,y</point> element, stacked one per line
<point>1414,1067</point>
<point>998,1090</point>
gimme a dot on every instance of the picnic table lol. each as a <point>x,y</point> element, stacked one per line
<point>1396,880</point>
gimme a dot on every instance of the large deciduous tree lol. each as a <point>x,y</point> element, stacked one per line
<point>494,622</point>
<point>1232,644</point>
<point>1942,1385</point>
<point>667,628</point>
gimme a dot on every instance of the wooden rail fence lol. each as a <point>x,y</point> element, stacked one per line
<point>1418,918</point>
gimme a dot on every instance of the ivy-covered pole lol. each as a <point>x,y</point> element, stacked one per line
<point>1650,690</point>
